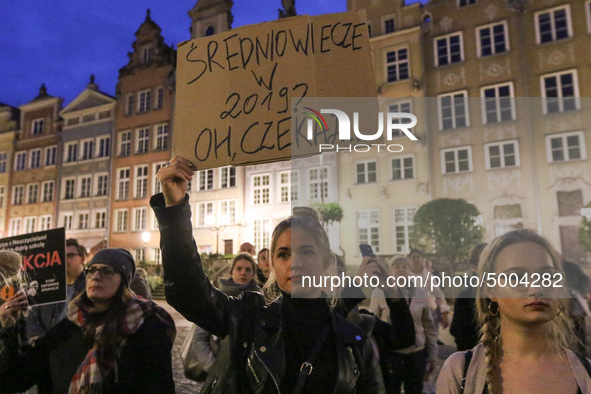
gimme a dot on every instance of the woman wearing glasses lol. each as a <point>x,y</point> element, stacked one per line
<point>110,341</point>
<point>526,332</point>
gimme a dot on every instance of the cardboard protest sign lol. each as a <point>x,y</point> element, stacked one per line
<point>43,264</point>
<point>234,89</point>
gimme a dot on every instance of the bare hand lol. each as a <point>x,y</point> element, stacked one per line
<point>10,311</point>
<point>174,177</point>
<point>445,319</point>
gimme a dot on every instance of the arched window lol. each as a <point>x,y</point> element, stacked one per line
<point>210,31</point>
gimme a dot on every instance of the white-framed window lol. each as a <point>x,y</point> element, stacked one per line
<point>142,141</point>
<point>45,222</point>
<point>138,254</point>
<point>204,209</point>
<point>103,147</point>
<point>30,222</point>
<point>32,193</point>
<point>68,221</point>
<point>125,143</point>
<point>47,191</point>
<point>83,221</point>
<point>456,160</point>
<point>205,179</point>
<point>3,162</point>
<point>448,49</point>
<point>261,189</point>
<point>492,39</point>
<point>498,104</point>
<point>453,110</point>
<point>367,171</point>
<point>102,185</point>
<point>403,168</point>
<point>553,24</point>
<point>2,196</point>
<point>285,186</point>
<point>20,161</point>
<point>560,91</point>
<point>262,233</point>
<point>85,187</point>
<point>70,152</point>
<point>129,104</point>
<point>69,188</point>
<point>161,142</point>
<point>463,3</point>
<point>140,218</point>
<point>87,149</point>
<point>501,154</point>
<point>397,64</point>
<point>159,98</point>
<point>141,181</point>
<point>227,177</point>
<point>402,107</point>
<point>157,187</point>
<point>368,228</point>
<point>121,219</point>
<point>403,228</point>
<point>228,210</point>
<point>18,194</point>
<point>566,147</point>
<point>50,156</point>
<point>318,180</point>
<point>144,101</point>
<point>35,158</point>
<point>37,126</point>
<point>123,183</point>
<point>100,219</point>
<point>14,228</point>
<point>157,256</point>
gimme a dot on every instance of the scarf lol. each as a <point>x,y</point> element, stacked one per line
<point>88,378</point>
<point>231,288</point>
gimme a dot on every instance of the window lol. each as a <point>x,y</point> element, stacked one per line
<point>560,92</point>
<point>318,178</point>
<point>121,216</point>
<point>157,186</point>
<point>87,149</point>
<point>210,31</point>
<point>45,222</point>
<point>389,26</point>
<point>147,54</point>
<point>403,107</point>
<point>404,227</point>
<point>367,172</point>
<point>2,196</point>
<point>227,177</point>
<point>70,152</point>
<point>553,25</point>
<point>138,254</point>
<point>157,256</point>
<point>397,68</point>
<point>3,161</point>
<point>69,188</point>
<point>123,184</point>
<point>492,39</point>
<point>456,160</point>
<point>228,211</point>
<point>285,185</point>
<point>100,219</point>
<point>144,98</point>
<point>47,191</point>
<point>139,218</point>
<point>30,224</point>
<point>161,142</point>
<point>143,140</point>
<point>262,233</point>
<point>565,147</point>
<point>368,229</point>
<point>449,49</point>
<point>102,185</point>
<point>141,181</point>
<point>37,127</point>
<point>35,158</point>
<point>85,187</point>
<point>50,156</point>
<point>159,98</point>
<point>498,104</point>
<point>463,3</point>
<point>125,143</point>
<point>501,154</point>
<point>67,221</point>
<point>129,105</point>
<point>403,168</point>
<point>453,111</point>
<point>15,227</point>
<point>18,193</point>
<point>20,161</point>
<point>83,219</point>
<point>205,179</point>
<point>32,193</point>
<point>204,209</point>
<point>261,189</point>
<point>104,147</point>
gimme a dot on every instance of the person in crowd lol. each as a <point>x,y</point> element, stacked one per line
<point>41,318</point>
<point>464,326</point>
<point>247,247</point>
<point>13,298</point>
<point>577,284</point>
<point>526,333</point>
<point>139,284</point>
<point>263,265</point>
<point>294,343</point>
<point>110,341</point>
<point>429,267</point>
<point>411,366</point>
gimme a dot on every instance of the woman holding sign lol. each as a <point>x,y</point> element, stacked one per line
<point>13,300</point>
<point>295,341</point>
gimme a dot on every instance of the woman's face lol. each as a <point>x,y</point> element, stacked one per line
<point>416,261</point>
<point>400,269</point>
<point>263,261</point>
<point>297,255</point>
<point>523,303</point>
<point>242,272</point>
<point>102,282</point>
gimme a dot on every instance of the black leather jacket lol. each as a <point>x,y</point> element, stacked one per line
<point>256,353</point>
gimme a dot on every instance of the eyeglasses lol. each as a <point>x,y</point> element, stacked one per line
<point>106,272</point>
<point>70,255</point>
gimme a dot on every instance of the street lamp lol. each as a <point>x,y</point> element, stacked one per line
<point>146,238</point>
<point>210,221</point>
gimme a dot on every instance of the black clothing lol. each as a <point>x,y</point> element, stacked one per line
<point>464,326</point>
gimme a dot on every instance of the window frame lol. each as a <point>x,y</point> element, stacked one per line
<point>454,117</point>
<point>50,156</point>
<point>69,188</point>
<point>37,126</point>
<point>70,152</point>
<point>497,103</point>
<point>161,139</point>
<point>456,160</point>
<point>406,224</point>
<point>493,46</point>
<point>142,140</point>
<point>557,75</point>
<point>201,221</point>
<point>39,159</point>
<point>397,64</point>
<point>127,143</point>
<point>44,191</point>
<point>447,37</point>
<point>261,188</point>
<point>321,180</point>
<point>564,136</point>
<point>501,145</point>
<point>103,147</point>
<point>144,101</point>
<point>368,212</point>
<point>569,24</point>
<point>32,193</point>
<point>366,172</point>
<point>20,161</point>
<point>144,178</point>
<point>402,168</point>
<point>121,182</point>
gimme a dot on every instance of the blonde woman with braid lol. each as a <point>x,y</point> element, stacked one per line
<point>526,332</point>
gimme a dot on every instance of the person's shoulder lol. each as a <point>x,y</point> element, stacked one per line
<point>377,293</point>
